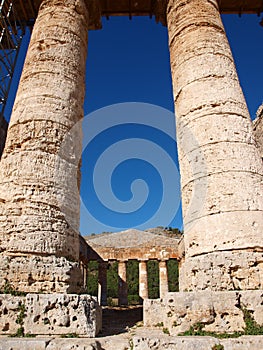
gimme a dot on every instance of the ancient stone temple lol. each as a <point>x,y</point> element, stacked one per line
<point>220,162</point>
<point>141,246</point>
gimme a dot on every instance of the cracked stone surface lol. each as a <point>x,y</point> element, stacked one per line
<point>39,212</point>
<point>50,314</point>
<point>221,170</point>
<point>258,130</point>
<point>220,312</point>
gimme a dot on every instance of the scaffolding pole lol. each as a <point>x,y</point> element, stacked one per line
<point>12,30</point>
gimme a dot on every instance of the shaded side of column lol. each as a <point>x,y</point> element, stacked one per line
<point>122,283</point>
<point>221,170</point>
<point>163,279</point>
<point>39,213</point>
<point>143,280</point>
<point>102,281</point>
<point>258,130</point>
<point>3,132</point>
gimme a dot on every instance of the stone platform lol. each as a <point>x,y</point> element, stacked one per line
<point>50,314</point>
<point>219,312</point>
<point>143,340</point>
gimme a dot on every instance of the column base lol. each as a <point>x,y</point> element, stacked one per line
<point>50,314</point>
<point>219,312</point>
<point>40,274</point>
<point>236,270</point>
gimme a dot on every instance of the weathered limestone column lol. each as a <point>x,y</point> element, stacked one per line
<point>258,130</point>
<point>163,279</point>
<point>221,170</point>
<point>122,283</point>
<point>39,213</point>
<point>102,281</point>
<point>143,280</point>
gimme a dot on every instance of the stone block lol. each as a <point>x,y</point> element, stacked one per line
<point>50,314</point>
<point>219,312</point>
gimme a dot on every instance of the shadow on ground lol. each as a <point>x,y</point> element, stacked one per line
<point>117,320</point>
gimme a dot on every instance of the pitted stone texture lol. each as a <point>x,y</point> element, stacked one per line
<point>258,130</point>
<point>51,314</point>
<point>148,340</point>
<point>145,340</point>
<point>40,274</point>
<point>38,180</point>
<point>23,344</point>
<point>221,170</point>
<point>62,314</point>
<point>3,132</point>
<point>220,312</point>
<point>9,311</point>
<point>236,270</point>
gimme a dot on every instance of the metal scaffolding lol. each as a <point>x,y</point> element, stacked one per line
<point>12,30</point>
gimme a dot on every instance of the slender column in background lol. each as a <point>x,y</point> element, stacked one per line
<point>122,283</point>
<point>163,279</point>
<point>221,169</point>
<point>143,280</point>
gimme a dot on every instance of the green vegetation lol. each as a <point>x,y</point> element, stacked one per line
<point>153,279</point>
<point>9,289</point>
<point>166,331</point>
<point>252,328</point>
<point>92,285</point>
<point>20,321</point>
<point>112,280</point>
<point>218,347</point>
<point>133,282</point>
<point>70,335</point>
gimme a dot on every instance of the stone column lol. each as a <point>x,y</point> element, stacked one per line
<point>122,283</point>
<point>39,213</point>
<point>221,170</point>
<point>102,281</point>
<point>258,130</point>
<point>163,279</point>
<point>143,280</point>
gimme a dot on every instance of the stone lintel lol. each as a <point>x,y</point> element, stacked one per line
<point>50,314</point>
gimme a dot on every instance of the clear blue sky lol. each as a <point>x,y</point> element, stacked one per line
<point>128,61</point>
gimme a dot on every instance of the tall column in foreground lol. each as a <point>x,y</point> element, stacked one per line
<point>143,280</point>
<point>39,212</point>
<point>221,169</point>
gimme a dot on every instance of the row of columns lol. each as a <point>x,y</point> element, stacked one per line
<point>221,196</point>
<point>122,281</point>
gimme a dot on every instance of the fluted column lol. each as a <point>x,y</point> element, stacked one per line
<point>102,281</point>
<point>221,170</point>
<point>163,279</point>
<point>143,280</point>
<point>122,283</point>
<point>39,213</point>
